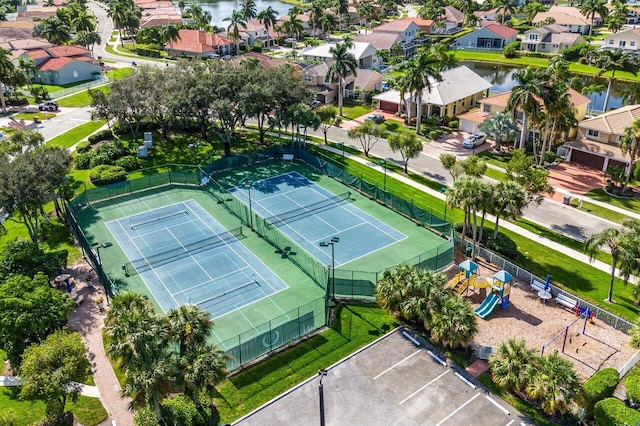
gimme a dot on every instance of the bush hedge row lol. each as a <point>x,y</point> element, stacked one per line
<point>102,135</point>
<point>632,386</point>
<point>598,387</point>
<point>613,412</point>
<point>107,154</point>
<point>106,174</point>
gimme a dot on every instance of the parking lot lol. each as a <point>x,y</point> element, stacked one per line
<point>393,381</point>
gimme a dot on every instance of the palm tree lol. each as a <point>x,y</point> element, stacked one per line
<point>610,238</point>
<point>503,7</point>
<point>554,383</point>
<point>248,9</point>
<point>531,9</point>
<point>28,66</point>
<point>420,71</point>
<point>202,370</point>
<point>617,17</point>
<point>316,12</point>
<point>591,8</point>
<point>500,127</point>
<point>468,193</point>
<point>170,33</point>
<point>524,97</point>
<point>342,8</point>
<point>201,18</point>
<point>83,21</point>
<point>328,23</point>
<point>236,20</point>
<point>631,93</point>
<point>149,385</point>
<point>343,63</point>
<point>87,39</point>
<point>190,325</point>
<point>630,145</point>
<point>512,365</point>
<point>366,11</point>
<point>118,12</point>
<point>453,323</point>
<point>508,197</point>
<point>616,60</point>
<point>268,18</point>
<point>55,31</point>
<point>467,7</point>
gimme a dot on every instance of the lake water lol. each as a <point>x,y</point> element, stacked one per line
<point>221,9</point>
<point>501,77</point>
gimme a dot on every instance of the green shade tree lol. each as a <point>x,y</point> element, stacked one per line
<point>535,181</point>
<point>407,144</point>
<point>501,128</point>
<point>327,115</point>
<point>368,134</point>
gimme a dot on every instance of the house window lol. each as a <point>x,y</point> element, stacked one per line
<point>555,46</point>
<point>307,79</point>
<point>519,115</point>
<point>611,42</point>
<point>463,101</point>
<point>486,109</point>
<point>622,43</point>
<point>632,44</point>
<point>593,133</point>
<point>533,37</point>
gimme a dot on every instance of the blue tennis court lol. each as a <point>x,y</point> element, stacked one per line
<point>184,255</point>
<point>309,214</point>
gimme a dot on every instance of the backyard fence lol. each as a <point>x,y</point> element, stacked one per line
<point>79,88</point>
<point>528,277</point>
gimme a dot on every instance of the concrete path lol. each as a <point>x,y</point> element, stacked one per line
<point>85,390</point>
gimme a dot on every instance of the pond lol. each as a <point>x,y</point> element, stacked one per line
<point>221,9</point>
<point>501,77</point>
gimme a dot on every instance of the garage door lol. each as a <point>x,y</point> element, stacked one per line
<point>467,126</point>
<point>388,106</point>
<point>591,160</point>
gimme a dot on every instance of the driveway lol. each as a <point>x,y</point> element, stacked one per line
<point>452,144</point>
<point>576,178</point>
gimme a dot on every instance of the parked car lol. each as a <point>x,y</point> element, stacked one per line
<point>315,104</point>
<point>48,106</point>
<point>376,118</point>
<point>475,139</point>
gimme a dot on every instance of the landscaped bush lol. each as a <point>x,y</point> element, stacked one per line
<point>83,161</point>
<point>106,174</point>
<point>83,146</point>
<point>103,135</point>
<point>600,386</point>
<point>435,134</point>
<point>40,93</point>
<point>632,386</point>
<point>181,411</point>
<point>502,244</point>
<point>574,52</point>
<point>17,99</point>
<point>151,53</point>
<point>613,412</point>
<point>511,49</point>
<point>454,124</point>
<point>636,171</point>
<point>129,163</point>
<point>107,153</point>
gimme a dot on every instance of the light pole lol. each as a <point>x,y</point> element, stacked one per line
<point>332,243</point>
<point>342,148</point>
<point>321,374</point>
<point>384,166</point>
<point>248,185</point>
<point>442,191</point>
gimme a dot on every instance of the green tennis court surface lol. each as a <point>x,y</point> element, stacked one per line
<point>309,214</point>
<point>185,256</point>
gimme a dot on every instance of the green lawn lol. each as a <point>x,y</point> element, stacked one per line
<point>355,326</point>
<point>495,174</point>
<point>490,157</point>
<point>80,99</point>
<point>54,88</point>
<point>88,411</point>
<point>632,204</point>
<point>75,135</point>
<point>28,116</point>
<point>354,111</point>
<point>599,211</point>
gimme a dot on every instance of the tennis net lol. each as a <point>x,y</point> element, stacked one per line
<point>151,218</point>
<point>146,263</point>
<point>311,208</point>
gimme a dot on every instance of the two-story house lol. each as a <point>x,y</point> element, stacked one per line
<point>365,54</point>
<point>569,17</point>
<point>598,141</point>
<point>256,31</point>
<point>628,41</point>
<point>326,91</point>
<point>459,91</point>
<point>552,38</point>
<point>199,44</point>
<point>403,34</point>
<point>490,37</point>
<point>471,121</point>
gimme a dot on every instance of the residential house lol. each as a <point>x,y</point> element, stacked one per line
<point>486,17</point>
<point>323,89</point>
<point>199,44</point>
<point>385,42</point>
<point>598,141</point>
<point>256,32</point>
<point>628,40</point>
<point>459,91</point>
<point>633,13</point>
<point>490,37</point>
<point>365,54</point>
<point>471,121</point>
<point>452,21</point>
<point>405,32</point>
<point>157,13</point>
<point>569,17</point>
<point>304,18</point>
<point>264,61</point>
<point>59,65</point>
<point>551,38</point>
<point>365,82</point>
<point>424,25</point>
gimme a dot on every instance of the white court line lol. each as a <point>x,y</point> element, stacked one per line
<point>494,402</point>
<point>423,387</point>
<point>397,364</point>
<point>458,409</point>
<point>509,424</point>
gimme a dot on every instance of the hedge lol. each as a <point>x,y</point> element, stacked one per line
<point>613,412</point>
<point>106,174</point>
<point>83,146</point>
<point>600,386</point>
<point>632,386</point>
<point>148,52</point>
<point>102,135</point>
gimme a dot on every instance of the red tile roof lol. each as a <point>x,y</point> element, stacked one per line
<point>55,64</point>
<point>198,41</point>
<point>502,31</point>
<point>64,51</point>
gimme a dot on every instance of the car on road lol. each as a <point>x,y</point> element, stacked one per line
<point>48,106</point>
<point>475,139</point>
<point>315,104</point>
<point>376,118</point>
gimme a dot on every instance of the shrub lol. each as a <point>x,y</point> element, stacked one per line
<point>151,53</point>
<point>102,135</point>
<point>40,93</point>
<point>17,99</point>
<point>600,386</point>
<point>632,385</point>
<point>613,412</point>
<point>106,174</point>
<point>550,156</point>
<point>511,49</point>
<point>454,124</point>
<point>83,161</point>
<point>435,134</point>
<point>502,244</point>
<point>108,153</point>
<point>181,411</point>
<point>636,171</point>
<point>574,52</point>
<point>83,146</point>
<point>129,163</point>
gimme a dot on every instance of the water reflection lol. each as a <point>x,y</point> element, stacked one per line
<point>221,9</point>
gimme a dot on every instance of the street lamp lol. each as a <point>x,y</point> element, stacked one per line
<point>248,185</point>
<point>321,374</point>
<point>442,190</point>
<point>332,243</point>
<point>342,148</point>
<point>384,166</point>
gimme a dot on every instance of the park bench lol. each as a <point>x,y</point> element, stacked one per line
<point>566,301</point>
<point>537,286</point>
<point>287,157</point>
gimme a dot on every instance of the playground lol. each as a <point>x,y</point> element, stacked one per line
<point>522,312</point>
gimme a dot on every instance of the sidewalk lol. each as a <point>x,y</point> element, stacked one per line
<point>85,390</point>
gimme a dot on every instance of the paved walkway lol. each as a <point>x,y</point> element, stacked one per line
<point>85,390</point>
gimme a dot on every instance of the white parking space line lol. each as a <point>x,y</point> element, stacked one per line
<point>458,409</point>
<point>397,364</point>
<point>494,402</point>
<point>510,423</point>
<point>422,388</point>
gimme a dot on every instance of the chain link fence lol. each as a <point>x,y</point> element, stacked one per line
<point>79,88</point>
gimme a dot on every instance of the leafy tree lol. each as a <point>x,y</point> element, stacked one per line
<point>454,323</point>
<point>87,39</point>
<point>501,128</point>
<point>236,20</point>
<point>52,369</point>
<point>21,141</point>
<point>407,144</point>
<point>554,383</point>
<point>327,115</point>
<point>30,310</point>
<point>591,8</point>
<point>248,9</point>
<point>612,61</point>
<point>509,198</point>
<point>513,364</point>
<point>344,63</point>
<point>630,145</point>
<point>24,257</point>
<point>368,134</point>
<point>6,70</point>
<point>522,169</point>
<point>420,70</point>
<point>474,166</point>
<point>449,161</point>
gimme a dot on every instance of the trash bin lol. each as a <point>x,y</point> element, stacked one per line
<point>566,199</point>
<point>468,251</point>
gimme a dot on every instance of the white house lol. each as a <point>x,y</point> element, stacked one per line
<point>628,41</point>
<point>490,37</point>
<point>365,54</point>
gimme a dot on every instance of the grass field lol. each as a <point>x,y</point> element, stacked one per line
<point>75,135</point>
<point>354,111</point>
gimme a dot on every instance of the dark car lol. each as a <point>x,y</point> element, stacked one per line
<point>315,104</point>
<point>48,106</point>
<point>376,118</point>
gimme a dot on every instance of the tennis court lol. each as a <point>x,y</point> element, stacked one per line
<point>309,214</point>
<point>184,255</point>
